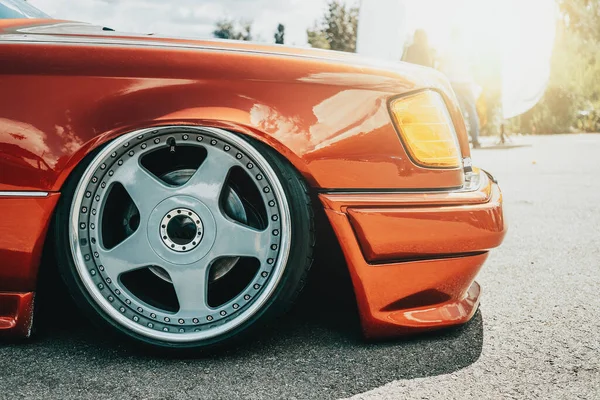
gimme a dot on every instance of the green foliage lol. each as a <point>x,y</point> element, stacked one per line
<point>337,30</point>
<point>575,71</point>
<point>229,29</point>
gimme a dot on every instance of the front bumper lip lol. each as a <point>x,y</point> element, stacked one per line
<point>413,257</point>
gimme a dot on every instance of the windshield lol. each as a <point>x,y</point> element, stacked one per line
<point>15,9</point>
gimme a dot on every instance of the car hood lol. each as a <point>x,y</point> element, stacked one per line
<point>78,32</point>
<point>83,32</point>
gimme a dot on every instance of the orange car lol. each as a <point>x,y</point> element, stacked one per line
<point>176,181</point>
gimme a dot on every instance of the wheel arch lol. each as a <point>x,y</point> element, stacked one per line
<point>234,122</point>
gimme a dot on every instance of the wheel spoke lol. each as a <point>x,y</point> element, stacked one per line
<point>191,288</point>
<point>235,239</point>
<point>132,253</point>
<point>145,189</point>
<point>208,181</point>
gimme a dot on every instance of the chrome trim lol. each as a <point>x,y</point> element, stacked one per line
<point>467,164</point>
<point>23,194</point>
<point>473,182</point>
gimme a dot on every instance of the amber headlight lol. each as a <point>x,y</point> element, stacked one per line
<point>427,130</point>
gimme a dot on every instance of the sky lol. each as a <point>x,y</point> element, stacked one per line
<point>515,36</point>
<point>192,18</point>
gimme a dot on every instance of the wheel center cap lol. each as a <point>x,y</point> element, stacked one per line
<point>181,230</point>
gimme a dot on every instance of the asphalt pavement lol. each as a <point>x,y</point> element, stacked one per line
<point>537,334</point>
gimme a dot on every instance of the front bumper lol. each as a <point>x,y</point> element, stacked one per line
<point>413,256</point>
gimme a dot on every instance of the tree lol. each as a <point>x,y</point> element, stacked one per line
<point>229,29</point>
<point>575,68</point>
<point>337,30</point>
<point>582,16</point>
<point>280,34</point>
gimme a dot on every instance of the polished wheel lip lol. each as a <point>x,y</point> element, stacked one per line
<point>232,322</point>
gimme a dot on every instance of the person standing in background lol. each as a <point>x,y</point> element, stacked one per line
<point>280,34</point>
<point>456,65</point>
<point>419,52</point>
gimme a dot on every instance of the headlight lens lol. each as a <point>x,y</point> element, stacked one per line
<point>427,129</point>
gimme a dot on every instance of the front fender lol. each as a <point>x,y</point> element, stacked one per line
<point>336,132</point>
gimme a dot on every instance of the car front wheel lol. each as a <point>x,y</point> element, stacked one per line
<point>184,237</point>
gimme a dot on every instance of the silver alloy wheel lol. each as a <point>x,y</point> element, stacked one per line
<point>187,260</point>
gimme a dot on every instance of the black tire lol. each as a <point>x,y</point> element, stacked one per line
<point>283,296</point>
